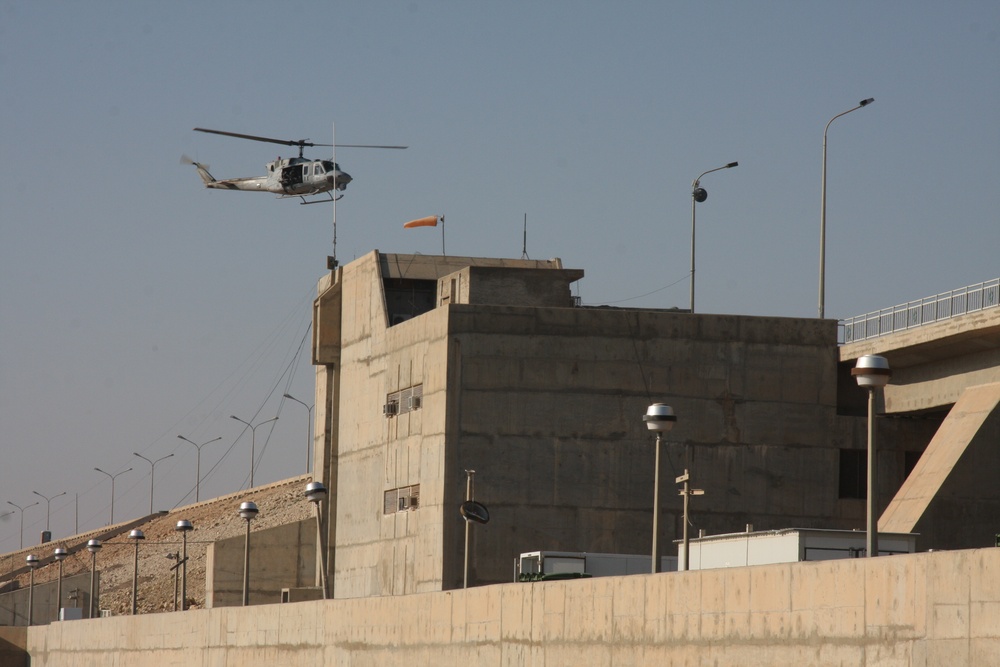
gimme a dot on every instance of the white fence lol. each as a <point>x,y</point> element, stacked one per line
<point>923,311</point>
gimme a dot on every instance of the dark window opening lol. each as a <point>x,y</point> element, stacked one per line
<point>853,473</point>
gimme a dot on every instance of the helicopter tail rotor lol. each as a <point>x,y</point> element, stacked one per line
<point>206,177</point>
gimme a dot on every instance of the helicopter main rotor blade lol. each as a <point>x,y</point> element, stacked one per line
<point>289,142</point>
<point>284,142</point>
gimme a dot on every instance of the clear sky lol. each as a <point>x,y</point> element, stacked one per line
<point>136,306</point>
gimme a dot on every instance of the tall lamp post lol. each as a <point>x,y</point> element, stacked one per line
<point>60,555</point>
<point>136,536</point>
<point>112,489</point>
<point>33,563</point>
<point>184,527</point>
<point>197,483</point>
<point>309,410</point>
<point>660,418</point>
<point>316,493</point>
<point>822,215</point>
<point>21,509</point>
<point>152,473</point>
<point>699,195</point>
<point>253,441</point>
<point>872,373</point>
<point>248,511</point>
<point>93,546</point>
<point>48,500</point>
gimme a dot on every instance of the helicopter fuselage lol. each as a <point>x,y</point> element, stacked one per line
<point>293,177</point>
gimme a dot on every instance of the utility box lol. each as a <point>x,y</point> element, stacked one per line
<point>551,565</point>
<point>301,594</point>
<point>70,614</point>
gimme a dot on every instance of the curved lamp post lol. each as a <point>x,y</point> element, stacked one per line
<point>184,527</point>
<point>48,499</point>
<point>660,418</point>
<point>309,411</point>
<point>872,373</point>
<point>93,546</point>
<point>822,215</point>
<point>197,484</point>
<point>21,509</point>
<point>248,511</point>
<point>698,195</point>
<point>33,563</point>
<point>112,490</point>
<point>60,555</point>
<point>316,493</point>
<point>253,441</point>
<point>152,473</point>
<point>136,536</point>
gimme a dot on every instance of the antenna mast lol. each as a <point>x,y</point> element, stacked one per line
<point>524,240</point>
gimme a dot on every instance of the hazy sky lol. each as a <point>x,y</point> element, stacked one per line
<point>135,305</point>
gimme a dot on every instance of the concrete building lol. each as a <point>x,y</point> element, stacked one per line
<point>429,366</point>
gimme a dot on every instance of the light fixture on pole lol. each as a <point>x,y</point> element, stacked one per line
<point>93,546</point>
<point>21,509</point>
<point>152,473</point>
<point>316,493</point>
<point>33,563</point>
<point>660,418</point>
<point>112,520</point>
<point>699,195</point>
<point>472,512</point>
<point>197,484</point>
<point>136,536</point>
<point>822,215</point>
<point>253,441</point>
<point>248,511</point>
<point>309,423</point>
<point>184,527</point>
<point>60,555</point>
<point>872,372</point>
<point>48,500</point>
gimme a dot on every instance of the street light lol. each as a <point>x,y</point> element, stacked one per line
<point>248,511</point>
<point>113,490</point>
<point>22,518</point>
<point>152,470</point>
<point>316,493</point>
<point>253,441</point>
<point>33,563</point>
<point>822,215</point>
<point>660,418</point>
<point>309,411</point>
<point>137,536</point>
<point>93,546</point>
<point>872,373</point>
<point>698,195</point>
<point>184,526</point>
<point>60,555</point>
<point>197,484</point>
<point>48,499</point>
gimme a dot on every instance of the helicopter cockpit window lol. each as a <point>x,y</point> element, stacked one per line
<point>330,166</point>
<point>318,169</point>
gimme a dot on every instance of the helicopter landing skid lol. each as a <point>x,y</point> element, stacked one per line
<point>320,201</point>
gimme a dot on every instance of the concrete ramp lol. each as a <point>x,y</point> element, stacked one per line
<point>955,479</point>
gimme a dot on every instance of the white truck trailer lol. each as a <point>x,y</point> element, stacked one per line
<point>549,565</point>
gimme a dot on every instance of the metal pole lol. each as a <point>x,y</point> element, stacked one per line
<point>184,566</point>
<point>93,583</point>
<point>31,595</point>
<point>135,579</point>
<point>871,545</point>
<point>686,538</point>
<point>693,204</point>
<point>246,567</point>
<point>59,590</point>
<point>656,508</point>
<point>322,552</point>
<point>822,215</point>
<point>469,475</point>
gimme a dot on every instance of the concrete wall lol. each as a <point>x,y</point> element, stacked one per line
<point>280,557</point>
<point>921,610</point>
<point>75,593</point>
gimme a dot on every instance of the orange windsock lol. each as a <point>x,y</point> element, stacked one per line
<point>429,221</point>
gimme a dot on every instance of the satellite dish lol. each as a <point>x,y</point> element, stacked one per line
<point>473,511</point>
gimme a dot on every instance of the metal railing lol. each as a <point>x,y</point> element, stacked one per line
<point>923,311</point>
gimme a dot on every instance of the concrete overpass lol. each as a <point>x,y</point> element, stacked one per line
<point>947,371</point>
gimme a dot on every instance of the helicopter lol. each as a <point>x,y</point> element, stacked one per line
<point>286,177</point>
